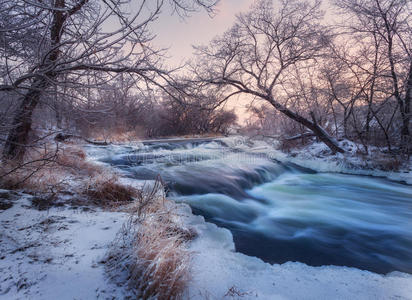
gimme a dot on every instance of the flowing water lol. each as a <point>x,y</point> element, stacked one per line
<point>281,212</point>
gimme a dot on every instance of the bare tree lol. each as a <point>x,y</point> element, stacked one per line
<point>258,55</point>
<point>189,110</point>
<point>386,24</point>
<point>56,45</point>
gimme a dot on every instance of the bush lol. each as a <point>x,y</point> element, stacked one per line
<point>149,255</point>
<point>108,192</point>
<point>47,168</point>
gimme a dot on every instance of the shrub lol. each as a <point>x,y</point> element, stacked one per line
<point>108,192</point>
<point>149,255</point>
<point>160,264</point>
<point>35,172</point>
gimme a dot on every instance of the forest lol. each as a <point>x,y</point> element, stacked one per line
<point>302,74</point>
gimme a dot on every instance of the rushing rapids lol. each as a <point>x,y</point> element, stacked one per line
<point>281,212</point>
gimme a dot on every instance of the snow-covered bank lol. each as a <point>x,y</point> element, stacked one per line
<point>219,273</point>
<point>317,156</point>
<point>56,254</point>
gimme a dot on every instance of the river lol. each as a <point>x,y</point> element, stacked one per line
<point>278,211</point>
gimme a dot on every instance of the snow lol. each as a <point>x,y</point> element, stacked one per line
<point>343,163</point>
<point>219,273</point>
<point>56,254</point>
<point>317,156</point>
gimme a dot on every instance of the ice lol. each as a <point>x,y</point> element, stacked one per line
<point>219,273</point>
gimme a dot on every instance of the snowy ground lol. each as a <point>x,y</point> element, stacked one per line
<point>55,253</point>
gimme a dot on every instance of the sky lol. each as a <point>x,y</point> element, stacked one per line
<point>179,34</point>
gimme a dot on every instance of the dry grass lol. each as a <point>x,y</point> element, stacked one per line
<point>119,135</point>
<point>105,190</point>
<point>291,145</point>
<point>151,251</point>
<point>51,170</point>
<point>149,201</point>
<point>387,162</point>
<point>379,160</point>
<point>73,158</point>
<point>160,263</point>
<point>45,169</point>
<point>36,172</point>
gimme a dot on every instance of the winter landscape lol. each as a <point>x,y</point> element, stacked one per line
<point>202,149</point>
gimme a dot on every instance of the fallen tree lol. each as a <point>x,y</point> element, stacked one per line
<point>61,137</point>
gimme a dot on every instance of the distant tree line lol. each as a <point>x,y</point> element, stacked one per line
<point>351,79</point>
<point>62,53</point>
<point>117,110</point>
<point>61,64</point>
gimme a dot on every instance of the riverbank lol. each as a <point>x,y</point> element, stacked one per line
<point>317,156</point>
<point>221,273</point>
<point>75,229</point>
<point>59,254</point>
<point>60,250</point>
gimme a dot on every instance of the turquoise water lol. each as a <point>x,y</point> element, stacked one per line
<point>281,212</point>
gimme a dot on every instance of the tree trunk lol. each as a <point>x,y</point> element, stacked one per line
<point>405,133</point>
<point>313,126</point>
<point>59,120</point>
<point>345,123</point>
<point>17,139</point>
<point>325,137</point>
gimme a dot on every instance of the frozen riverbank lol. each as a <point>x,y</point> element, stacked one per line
<point>58,252</point>
<point>219,273</point>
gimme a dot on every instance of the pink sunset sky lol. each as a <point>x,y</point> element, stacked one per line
<point>179,34</point>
